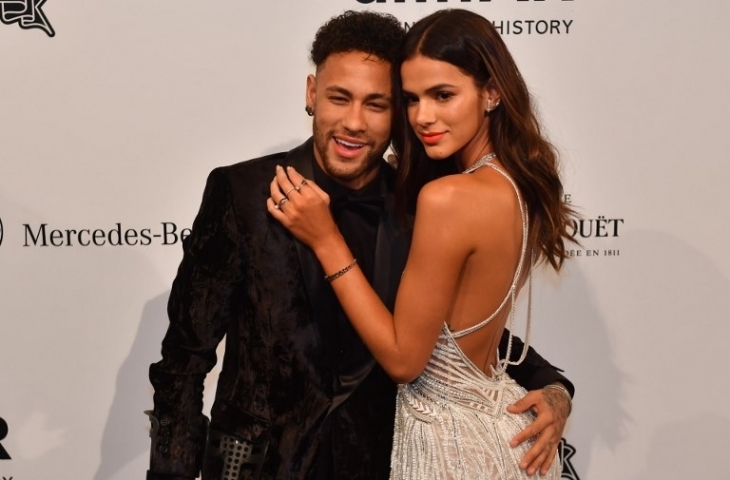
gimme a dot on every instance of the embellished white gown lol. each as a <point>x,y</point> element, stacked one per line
<point>451,421</point>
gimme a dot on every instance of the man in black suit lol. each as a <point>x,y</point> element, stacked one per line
<point>299,395</point>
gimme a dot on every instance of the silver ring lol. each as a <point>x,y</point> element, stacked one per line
<point>281,203</point>
<point>289,191</point>
<point>299,187</point>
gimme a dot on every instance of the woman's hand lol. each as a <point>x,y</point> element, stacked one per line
<point>302,207</point>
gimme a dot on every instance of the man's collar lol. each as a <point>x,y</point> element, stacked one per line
<point>337,190</point>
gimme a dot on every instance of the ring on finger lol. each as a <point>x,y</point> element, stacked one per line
<point>281,203</point>
<point>299,187</point>
<point>286,195</point>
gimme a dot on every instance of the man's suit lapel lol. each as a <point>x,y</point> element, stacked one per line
<point>301,159</point>
<point>391,251</point>
<point>322,301</point>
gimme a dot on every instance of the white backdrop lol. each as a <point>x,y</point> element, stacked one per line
<point>114,122</point>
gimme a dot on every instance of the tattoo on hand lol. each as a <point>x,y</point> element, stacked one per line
<point>558,402</point>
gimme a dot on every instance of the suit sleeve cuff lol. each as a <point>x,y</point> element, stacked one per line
<point>546,376</point>
<point>164,476</point>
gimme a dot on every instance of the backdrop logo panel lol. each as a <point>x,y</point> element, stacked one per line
<point>566,451</point>
<point>3,433</point>
<point>517,26</point>
<point>446,1</point>
<point>591,232</point>
<point>531,27</point>
<point>41,235</point>
<point>598,236</point>
<point>27,13</point>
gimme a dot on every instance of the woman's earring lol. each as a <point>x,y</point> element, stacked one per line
<point>490,106</point>
<point>309,110</point>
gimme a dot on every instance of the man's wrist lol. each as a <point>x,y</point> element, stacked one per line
<point>561,388</point>
<point>564,391</point>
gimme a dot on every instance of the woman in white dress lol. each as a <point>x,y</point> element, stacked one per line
<point>489,207</point>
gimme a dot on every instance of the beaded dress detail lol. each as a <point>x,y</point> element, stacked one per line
<point>451,422</point>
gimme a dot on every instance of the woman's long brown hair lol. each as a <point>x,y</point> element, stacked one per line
<point>471,43</point>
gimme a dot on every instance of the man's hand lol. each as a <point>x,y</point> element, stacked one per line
<point>552,408</point>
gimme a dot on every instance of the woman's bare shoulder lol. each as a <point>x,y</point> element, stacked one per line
<point>444,190</point>
<point>462,192</point>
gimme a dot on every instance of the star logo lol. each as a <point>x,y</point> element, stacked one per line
<point>27,13</point>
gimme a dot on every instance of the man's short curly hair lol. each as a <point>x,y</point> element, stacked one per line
<point>378,34</point>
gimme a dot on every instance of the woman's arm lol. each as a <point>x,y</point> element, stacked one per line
<point>401,342</point>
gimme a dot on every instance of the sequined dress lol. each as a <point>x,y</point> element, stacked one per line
<point>451,421</point>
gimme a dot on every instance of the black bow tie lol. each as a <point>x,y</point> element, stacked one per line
<point>367,204</point>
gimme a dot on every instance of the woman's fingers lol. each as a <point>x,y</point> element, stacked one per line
<point>276,195</point>
<point>301,185</point>
<point>285,185</point>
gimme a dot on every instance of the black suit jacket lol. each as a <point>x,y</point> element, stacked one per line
<point>244,276</point>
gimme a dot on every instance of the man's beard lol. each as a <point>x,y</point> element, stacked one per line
<point>372,160</point>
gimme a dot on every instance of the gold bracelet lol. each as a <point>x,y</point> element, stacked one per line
<point>340,273</point>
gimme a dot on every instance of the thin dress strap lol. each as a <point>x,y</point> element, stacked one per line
<point>511,295</point>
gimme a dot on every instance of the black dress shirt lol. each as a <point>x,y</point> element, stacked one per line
<point>357,215</point>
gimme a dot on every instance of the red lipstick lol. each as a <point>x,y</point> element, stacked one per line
<point>432,138</point>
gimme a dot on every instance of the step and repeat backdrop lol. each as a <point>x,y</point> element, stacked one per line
<point>113,113</point>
